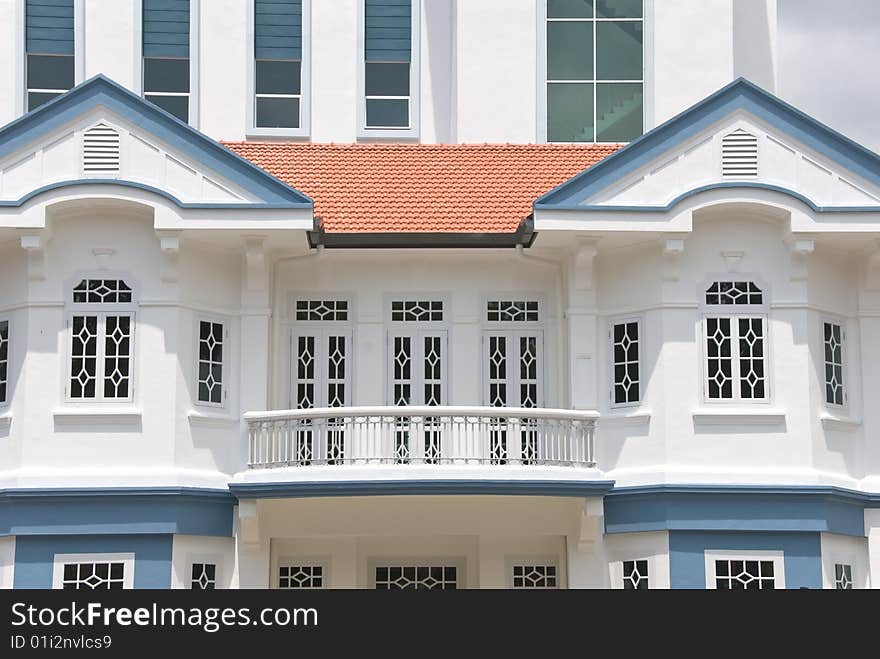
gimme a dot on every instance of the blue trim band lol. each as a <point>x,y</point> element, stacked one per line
<point>386,488</point>
<point>738,95</point>
<point>101,91</point>
<point>14,203</point>
<point>103,511</point>
<point>737,508</point>
<point>717,186</point>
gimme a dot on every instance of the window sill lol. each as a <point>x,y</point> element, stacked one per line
<point>388,135</point>
<point>209,418</point>
<point>300,133</point>
<point>831,421</point>
<point>626,416</point>
<point>732,416</point>
<point>97,415</point>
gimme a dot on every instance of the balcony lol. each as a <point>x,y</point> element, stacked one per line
<point>424,436</point>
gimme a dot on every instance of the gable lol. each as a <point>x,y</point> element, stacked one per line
<point>741,137</point>
<point>101,133</point>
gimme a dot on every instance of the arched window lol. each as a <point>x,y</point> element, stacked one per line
<point>735,330</point>
<point>101,337</point>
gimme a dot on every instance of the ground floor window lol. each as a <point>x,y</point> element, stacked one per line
<point>416,577</point>
<point>843,579</point>
<point>535,576</point>
<point>203,576</point>
<point>744,570</point>
<point>301,576</point>
<point>93,571</point>
<point>635,575</point>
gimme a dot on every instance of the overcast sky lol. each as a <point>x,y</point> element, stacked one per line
<point>829,63</point>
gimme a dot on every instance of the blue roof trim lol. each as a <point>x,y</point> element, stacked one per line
<point>244,205</point>
<point>718,186</point>
<point>823,509</point>
<point>389,488</point>
<point>115,511</point>
<point>738,95</point>
<point>102,91</point>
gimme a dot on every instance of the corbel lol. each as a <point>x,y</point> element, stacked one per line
<point>34,245</point>
<point>673,249</point>
<point>591,524</point>
<point>249,522</point>
<point>102,257</point>
<point>255,262</point>
<point>169,244</point>
<point>801,250</point>
<point>583,263</point>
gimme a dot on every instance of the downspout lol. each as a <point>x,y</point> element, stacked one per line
<point>560,335</point>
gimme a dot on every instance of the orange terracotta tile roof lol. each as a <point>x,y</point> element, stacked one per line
<point>399,188</point>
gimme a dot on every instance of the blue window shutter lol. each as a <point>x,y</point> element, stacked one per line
<point>166,28</point>
<point>49,27</point>
<point>278,29</point>
<point>388,30</point>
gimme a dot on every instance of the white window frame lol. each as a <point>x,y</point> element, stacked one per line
<point>542,559</point>
<point>734,313</point>
<point>213,559</point>
<point>320,329</point>
<point>21,51</point>
<point>4,402</point>
<point>844,362</point>
<point>305,90</point>
<point>417,330</point>
<point>413,131</point>
<point>712,555</point>
<point>101,311</point>
<point>194,59</point>
<point>647,80</point>
<point>458,562</point>
<point>224,365</point>
<point>60,560</point>
<point>622,320</point>
<point>286,560</point>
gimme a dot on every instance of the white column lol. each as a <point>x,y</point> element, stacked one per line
<point>344,570</point>
<point>585,552</point>
<point>581,314</point>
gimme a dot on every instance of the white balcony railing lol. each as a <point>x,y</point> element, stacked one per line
<point>421,435</point>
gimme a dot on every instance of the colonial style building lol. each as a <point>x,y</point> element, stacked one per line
<point>429,294</point>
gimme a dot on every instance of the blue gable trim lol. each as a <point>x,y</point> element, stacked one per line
<point>802,555</point>
<point>102,511</point>
<point>415,487</point>
<point>737,508</point>
<point>35,557</point>
<point>101,91</point>
<point>738,95</point>
<point>718,186</point>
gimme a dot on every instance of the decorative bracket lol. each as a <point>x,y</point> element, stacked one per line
<point>35,247</point>
<point>584,258</point>
<point>102,257</point>
<point>673,249</point>
<point>592,524</point>
<point>732,258</point>
<point>169,243</point>
<point>249,522</point>
<point>801,250</point>
<point>255,259</point>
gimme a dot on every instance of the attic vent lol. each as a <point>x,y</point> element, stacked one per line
<point>739,154</point>
<point>101,150</point>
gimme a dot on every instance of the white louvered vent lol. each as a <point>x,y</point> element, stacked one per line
<point>101,150</point>
<point>739,154</point>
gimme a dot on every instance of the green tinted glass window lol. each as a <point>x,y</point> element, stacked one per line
<point>570,112</point>
<point>619,111</point>
<point>619,50</point>
<point>570,50</point>
<point>569,8</point>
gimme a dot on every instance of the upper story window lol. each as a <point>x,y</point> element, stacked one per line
<point>626,380</point>
<point>390,74</point>
<point>166,73</point>
<point>49,50</point>
<point>4,360</point>
<point>101,336</point>
<point>833,336</point>
<point>278,64</point>
<point>210,385</point>
<point>594,74</point>
<point>735,332</point>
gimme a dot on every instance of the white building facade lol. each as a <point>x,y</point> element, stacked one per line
<point>429,294</point>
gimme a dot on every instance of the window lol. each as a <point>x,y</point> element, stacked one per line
<point>735,342</point>
<point>101,341</point>
<point>417,351</point>
<point>759,570</point>
<point>421,577</point>
<point>512,311</point>
<point>301,576</point>
<point>625,362</point>
<point>4,360</point>
<point>390,68</point>
<point>635,575</point>
<point>843,579</point>
<point>321,369</point>
<point>594,73</point>
<point>203,576</point>
<point>93,571</point>
<point>166,57</point>
<point>833,337</point>
<point>278,64</point>
<point>49,56</point>
<point>534,576</point>
<point>212,337</point>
